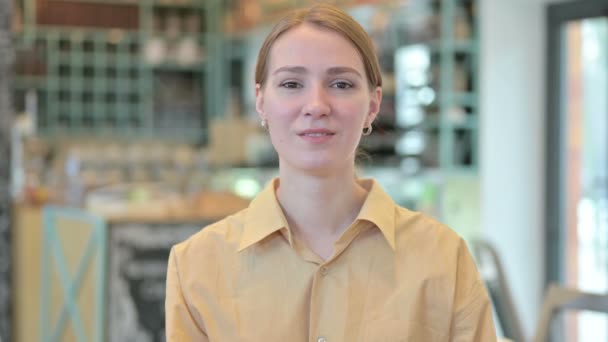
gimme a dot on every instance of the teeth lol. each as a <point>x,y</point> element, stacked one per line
<point>316,134</point>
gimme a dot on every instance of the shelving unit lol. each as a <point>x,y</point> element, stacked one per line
<point>134,98</point>
<point>447,126</point>
<point>148,82</point>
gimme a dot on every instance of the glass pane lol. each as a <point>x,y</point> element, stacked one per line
<point>586,182</point>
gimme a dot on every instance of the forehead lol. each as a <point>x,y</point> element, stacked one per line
<point>312,46</point>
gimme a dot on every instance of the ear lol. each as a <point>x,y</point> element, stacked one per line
<point>259,100</point>
<point>374,105</point>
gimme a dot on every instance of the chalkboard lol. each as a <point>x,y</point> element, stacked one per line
<point>6,115</point>
<point>138,255</point>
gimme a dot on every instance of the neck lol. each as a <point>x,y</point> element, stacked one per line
<point>320,205</point>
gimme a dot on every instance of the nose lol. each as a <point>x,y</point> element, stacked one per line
<point>317,103</point>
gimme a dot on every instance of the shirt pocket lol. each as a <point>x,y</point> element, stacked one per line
<point>393,330</point>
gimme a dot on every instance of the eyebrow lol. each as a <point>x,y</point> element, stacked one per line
<point>343,70</point>
<point>289,68</point>
<point>332,71</point>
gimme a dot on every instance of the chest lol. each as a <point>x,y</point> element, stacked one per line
<point>355,297</point>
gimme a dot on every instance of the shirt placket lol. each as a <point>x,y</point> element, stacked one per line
<point>325,316</point>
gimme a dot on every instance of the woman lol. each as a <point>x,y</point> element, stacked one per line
<point>320,255</point>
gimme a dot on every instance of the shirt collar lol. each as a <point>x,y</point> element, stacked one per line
<point>265,215</point>
<point>379,209</point>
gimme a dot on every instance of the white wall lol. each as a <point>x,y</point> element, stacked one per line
<point>512,87</point>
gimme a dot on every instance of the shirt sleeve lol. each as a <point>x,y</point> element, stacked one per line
<point>472,320</point>
<point>179,323</point>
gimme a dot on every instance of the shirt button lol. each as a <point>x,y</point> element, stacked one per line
<point>321,339</point>
<point>324,271</point>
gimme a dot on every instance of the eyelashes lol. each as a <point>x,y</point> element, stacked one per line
<point>341,84</point>
<point>290,85</point>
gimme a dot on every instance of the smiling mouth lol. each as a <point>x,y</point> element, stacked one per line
<point>316,134</point>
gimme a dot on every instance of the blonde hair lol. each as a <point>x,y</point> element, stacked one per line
<point>331,18</point>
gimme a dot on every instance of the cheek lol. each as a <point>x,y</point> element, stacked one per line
<point>276,109</point>
<point>356,111</point>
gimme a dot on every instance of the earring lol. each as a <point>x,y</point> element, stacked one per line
<point>367,130</point>
<point>264,123</point>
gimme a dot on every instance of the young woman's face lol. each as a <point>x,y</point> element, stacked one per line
<point>316,99</point>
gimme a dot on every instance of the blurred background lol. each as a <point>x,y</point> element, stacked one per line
<point>126,126</point>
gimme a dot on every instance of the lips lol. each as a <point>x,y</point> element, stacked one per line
<point>316,133</point>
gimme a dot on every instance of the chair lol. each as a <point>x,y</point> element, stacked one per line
<point>492,272</point>
<point>558,299</point>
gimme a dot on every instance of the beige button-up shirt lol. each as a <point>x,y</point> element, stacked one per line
<point>396,275</point>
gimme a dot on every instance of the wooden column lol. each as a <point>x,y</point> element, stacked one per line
<point>6,58</point>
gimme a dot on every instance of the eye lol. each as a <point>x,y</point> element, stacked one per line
<point>290,85</point>
<point>342,85</point>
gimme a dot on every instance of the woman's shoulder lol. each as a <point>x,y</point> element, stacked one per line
<point>423,242</point>
<point>214,238</point>
<point>412,227</point>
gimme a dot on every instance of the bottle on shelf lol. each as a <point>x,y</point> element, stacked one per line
<point>188,51</point>
<point>155,49</point>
